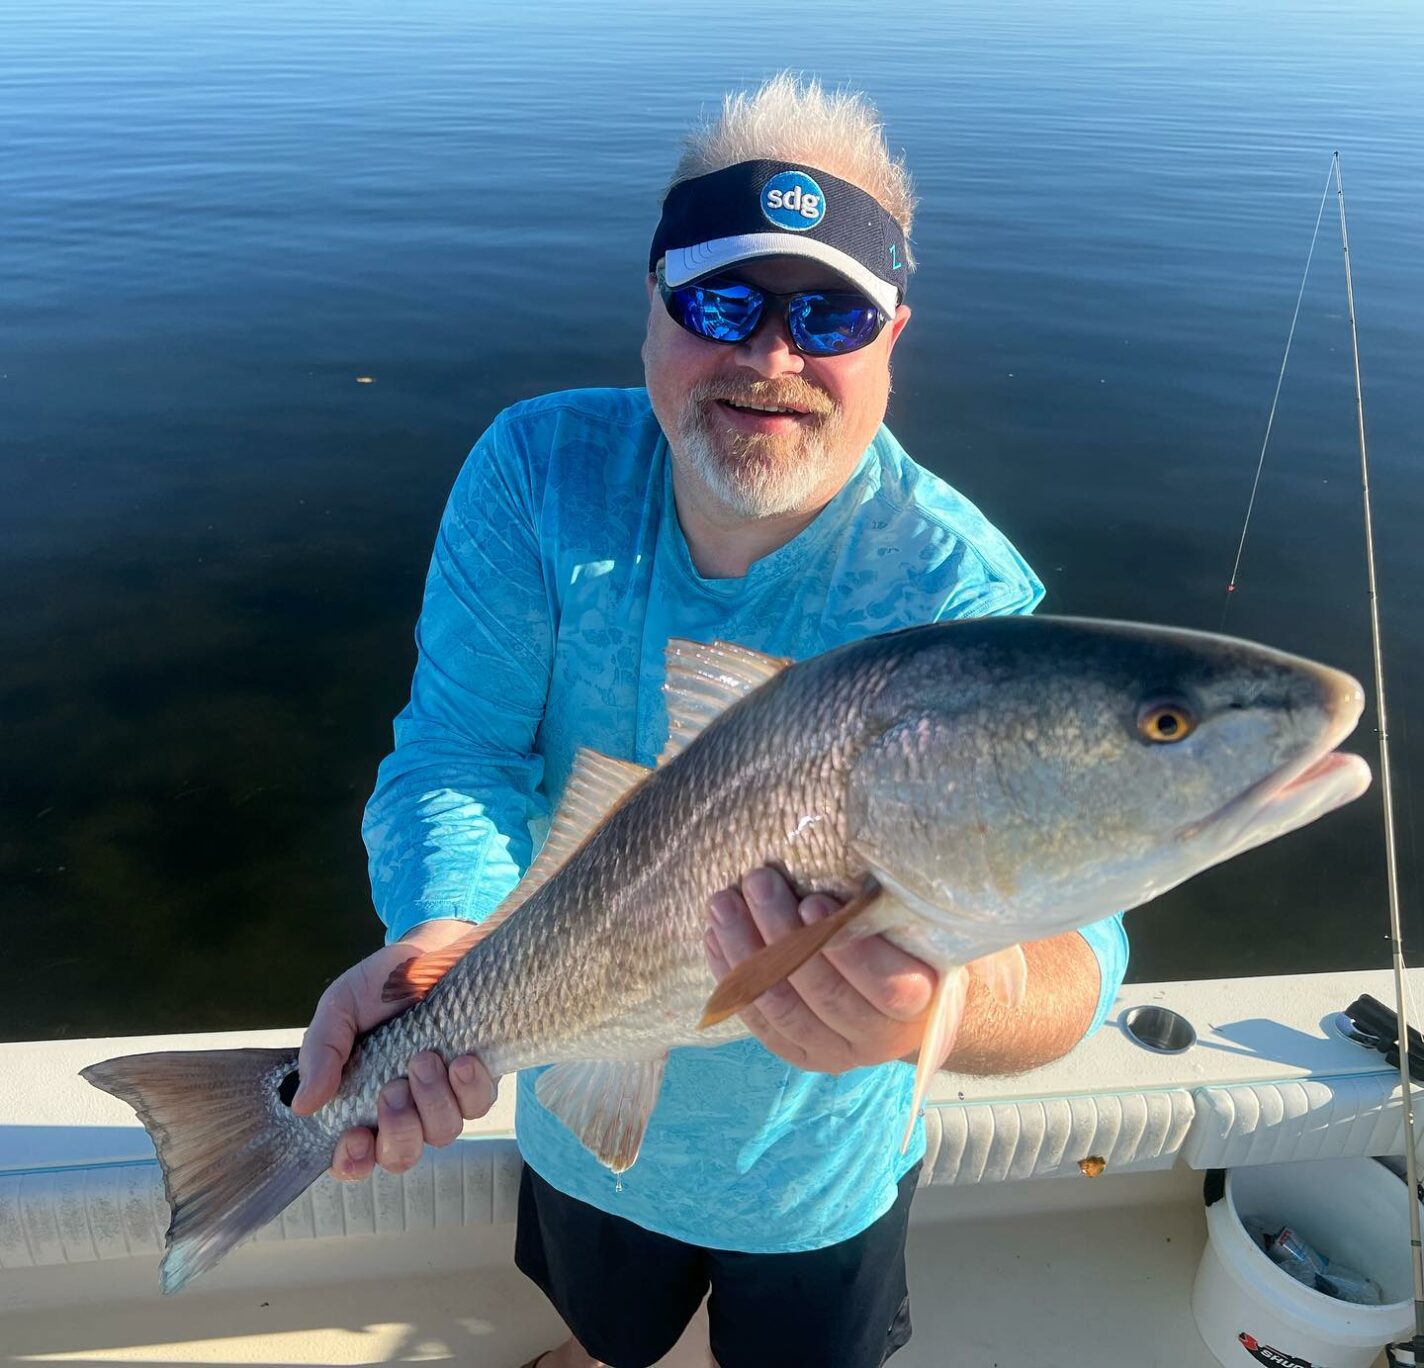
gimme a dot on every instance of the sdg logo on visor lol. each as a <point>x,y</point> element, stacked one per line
<point>791,199</point>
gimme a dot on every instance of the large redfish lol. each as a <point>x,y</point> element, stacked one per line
<point>965,786</point>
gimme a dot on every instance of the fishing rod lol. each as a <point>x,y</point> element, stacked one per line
<point>1413,1348</point>
<point>1407,1353</point>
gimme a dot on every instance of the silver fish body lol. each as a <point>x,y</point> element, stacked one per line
<point>977,784</point>
<point>991,773</point>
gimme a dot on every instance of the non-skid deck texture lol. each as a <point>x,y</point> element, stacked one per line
<point>1103,1288</point>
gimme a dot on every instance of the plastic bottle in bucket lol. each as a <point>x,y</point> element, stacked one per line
<point>1287,1249</point>
<point>1251,1311</point>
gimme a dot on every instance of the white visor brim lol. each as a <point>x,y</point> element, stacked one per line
<point>685,264</point>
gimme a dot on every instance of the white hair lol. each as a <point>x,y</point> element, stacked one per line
<point>787,119</point>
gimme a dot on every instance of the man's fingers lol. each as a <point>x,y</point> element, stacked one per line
<point>735,930</point>
<point>772,902</point>
<point>715,957</point>
<point>757,1024</point>
<point>319,1068</point>
<point>774,1041</point>
<point>832,996</point>
<point>817,990</point>
<point>355,1157</point>
<point>326,1047</point>
<point>399,1135</point>
<point>426,1108</point>
<point>779,1018</point>
<point>737,937</point>
<point>746,920</point>
<point>350,1005</point>
<point>837,1001</point>
<point>440,1119</point>
<point>897,984</point>
<point>475,1091</point>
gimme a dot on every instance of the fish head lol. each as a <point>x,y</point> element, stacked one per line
<point>1031,776</point>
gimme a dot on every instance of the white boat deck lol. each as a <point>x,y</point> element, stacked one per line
<point>1075,1288</point>
<point>1104,1287</point>
<point>1063,1270</point>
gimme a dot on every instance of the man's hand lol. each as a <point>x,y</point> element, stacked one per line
<point>857,1005</point>
<point>428,1108</point>
<point>865,1002</point>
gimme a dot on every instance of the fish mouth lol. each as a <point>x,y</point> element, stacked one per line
<point>1333,780</point>
<point>1318,782</point>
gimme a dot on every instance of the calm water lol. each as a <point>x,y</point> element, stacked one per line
<point>212,539</point>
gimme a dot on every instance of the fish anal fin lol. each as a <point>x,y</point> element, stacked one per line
<point>1004,974</point>
<point>748,980</point>
<point>703,680</point>
<point>941,1028</point>
<point>411,981</point>
<point>605,1102</point>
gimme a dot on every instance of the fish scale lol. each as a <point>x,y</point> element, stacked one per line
<point>964,787</point>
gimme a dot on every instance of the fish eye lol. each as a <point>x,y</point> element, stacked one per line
<point>1165,722</point>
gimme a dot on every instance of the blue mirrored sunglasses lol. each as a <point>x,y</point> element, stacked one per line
<point>819,322</point>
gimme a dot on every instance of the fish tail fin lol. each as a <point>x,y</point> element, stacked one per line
<point>232,1152</point>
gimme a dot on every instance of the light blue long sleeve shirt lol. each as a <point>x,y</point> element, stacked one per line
<point>560,571</point>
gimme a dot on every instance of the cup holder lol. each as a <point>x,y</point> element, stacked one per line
<point>1157,1028</point>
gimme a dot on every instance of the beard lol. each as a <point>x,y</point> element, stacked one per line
<point>756,474</point>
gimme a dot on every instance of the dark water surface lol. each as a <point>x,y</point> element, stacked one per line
<point>212,539</point>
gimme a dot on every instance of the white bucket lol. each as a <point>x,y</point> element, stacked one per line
<point>1250,1312</point>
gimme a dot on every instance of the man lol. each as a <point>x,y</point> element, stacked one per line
<point>749,494</point>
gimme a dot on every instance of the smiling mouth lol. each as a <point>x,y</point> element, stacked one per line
<point>769,410</point>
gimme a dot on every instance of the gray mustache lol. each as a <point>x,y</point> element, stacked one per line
<point>805,398</point>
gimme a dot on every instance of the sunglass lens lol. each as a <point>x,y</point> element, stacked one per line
<point>831,324</point>
<point>728,313</point>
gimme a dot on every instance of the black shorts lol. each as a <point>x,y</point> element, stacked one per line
<point>627,1293</point>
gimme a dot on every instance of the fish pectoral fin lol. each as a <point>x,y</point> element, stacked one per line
<point>941,1027</point>
<point>782,958</point>
<point>605,1102</point>
<point>1004,974</point>
<point>411,981</point>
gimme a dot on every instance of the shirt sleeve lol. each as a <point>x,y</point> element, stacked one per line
<point>447,828</point>
<point>982,590</point>
<point>1108,941</point>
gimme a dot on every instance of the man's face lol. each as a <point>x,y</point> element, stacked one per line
<point>760,464</point>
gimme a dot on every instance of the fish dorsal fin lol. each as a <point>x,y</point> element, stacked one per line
<point>605,1102</point>
<point>597,784</point>
<point>703,680</point>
